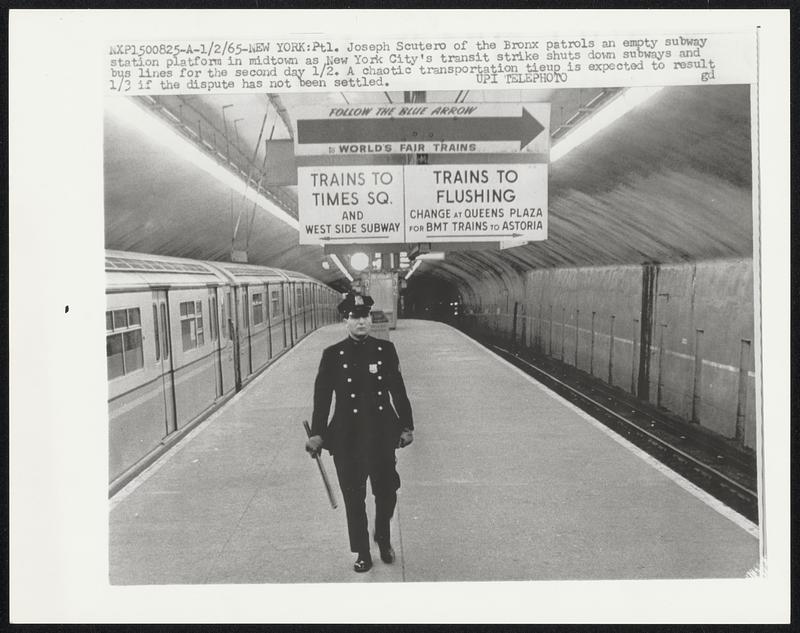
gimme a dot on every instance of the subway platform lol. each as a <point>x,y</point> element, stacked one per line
<point>504,481</point>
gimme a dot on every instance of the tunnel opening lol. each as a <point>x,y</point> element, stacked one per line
<point>434,299</point>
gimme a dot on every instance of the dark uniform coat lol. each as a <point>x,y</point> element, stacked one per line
<point>372,407</point>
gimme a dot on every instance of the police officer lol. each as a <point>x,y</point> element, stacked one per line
<point>371,418</point>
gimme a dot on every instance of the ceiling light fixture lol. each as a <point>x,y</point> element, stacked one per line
<point>603,117</point>
<point>341,267</point>
<point>359,261</point>
<point>433,256</point>
<point>165,134</point>
<point>417,262</point>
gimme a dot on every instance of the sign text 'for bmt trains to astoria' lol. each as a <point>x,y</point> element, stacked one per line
<point>422,128</point>
<point>422,203</point>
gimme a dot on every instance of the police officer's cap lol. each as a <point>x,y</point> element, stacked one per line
<point>355,305</point>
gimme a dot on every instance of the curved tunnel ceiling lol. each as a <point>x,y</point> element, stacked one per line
<point>670,181</point>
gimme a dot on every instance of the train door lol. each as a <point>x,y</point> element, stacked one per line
<point>244,339</point>
<point>283,315</point>
<point>268,315</point>
<point>312,305</point>
<point>306,307</point>
<point>298,307</point>
<point>233,335</point>
<point>216,339</point>
<point>301,309</point>
<point>164,357</point>
<point>310,308</point>
<point>249,323</point>
<point>288,302</point>
<point>314,299</point>
<point>227,352</point>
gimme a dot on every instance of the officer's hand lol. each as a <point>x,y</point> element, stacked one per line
<point>406,437</point>
<point>314,445</point>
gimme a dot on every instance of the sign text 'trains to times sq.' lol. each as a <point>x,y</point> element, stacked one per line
<point>353,205</point>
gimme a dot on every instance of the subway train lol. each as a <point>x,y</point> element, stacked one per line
<point>182,336</point>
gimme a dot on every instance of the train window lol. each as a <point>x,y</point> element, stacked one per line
<point>132,341</point>
<point>275,298</point>
<point>213,317</point>
<point>120,319</point>
<point>229,314</point>
<point>299,297</point>
<point>165,330</point>
<point>191,324</point>
<point>188,331</point>
<point>216,318</point>
<point>245,311</point>
<point>124,353</point>
<point>155,329</point>
<point>199,316</point>
<point>114,356</point>
<point>258,308</point>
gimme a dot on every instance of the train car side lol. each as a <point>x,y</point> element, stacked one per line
<point>183,336</point>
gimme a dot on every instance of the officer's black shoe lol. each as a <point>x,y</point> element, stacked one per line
<point>387,552</point>
<point>363,563</point>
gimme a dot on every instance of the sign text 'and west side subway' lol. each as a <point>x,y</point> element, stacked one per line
<point>422,128</point>
<point>422,203</point>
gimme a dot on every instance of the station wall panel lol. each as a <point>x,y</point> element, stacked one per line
<point>698,318</point>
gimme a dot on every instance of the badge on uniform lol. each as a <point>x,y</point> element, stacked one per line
<point>373,368</point>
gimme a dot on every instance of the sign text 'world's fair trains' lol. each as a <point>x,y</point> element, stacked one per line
<point>422,203</point>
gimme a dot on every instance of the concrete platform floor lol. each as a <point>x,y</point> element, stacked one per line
<point>504,481</point>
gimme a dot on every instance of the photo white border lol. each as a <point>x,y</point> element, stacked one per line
<point>58,460</point>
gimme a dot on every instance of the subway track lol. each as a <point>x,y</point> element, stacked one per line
<point>712,463</point>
